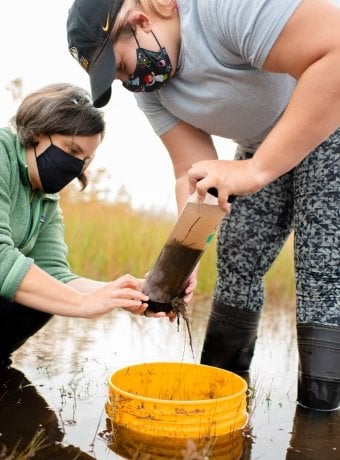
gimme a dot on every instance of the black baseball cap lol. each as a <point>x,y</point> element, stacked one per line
<point>89,25</point>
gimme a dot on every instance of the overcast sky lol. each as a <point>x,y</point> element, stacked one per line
<point>34,48</point>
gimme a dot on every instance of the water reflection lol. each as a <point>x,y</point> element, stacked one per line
<point>315,435</point>
<point>28,427</point>
<point>129,444</point>
<point>60,375</point>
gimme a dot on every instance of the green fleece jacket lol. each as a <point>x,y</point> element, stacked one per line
<point>31,225</point>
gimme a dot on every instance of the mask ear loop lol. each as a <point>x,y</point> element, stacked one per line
<point>154,36</point>
<point>35,153</point>
<point>135,37</point>
<point>36,162</point>
<point>34,146</point>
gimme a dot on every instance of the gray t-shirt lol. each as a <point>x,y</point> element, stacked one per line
<point>219,86</point>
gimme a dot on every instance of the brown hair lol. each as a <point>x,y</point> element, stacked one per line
<point>59,108</point>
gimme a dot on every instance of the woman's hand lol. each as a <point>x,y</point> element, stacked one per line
<point>237,177</point>
<point>124,292</point>
<point>188,292</point>
<point>191,285</point>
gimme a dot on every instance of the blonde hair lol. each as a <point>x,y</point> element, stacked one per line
<point>160,8</point>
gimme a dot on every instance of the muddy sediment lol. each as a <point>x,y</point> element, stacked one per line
<point>167,279</point>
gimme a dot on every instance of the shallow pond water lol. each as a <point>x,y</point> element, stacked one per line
<point>57,390</point>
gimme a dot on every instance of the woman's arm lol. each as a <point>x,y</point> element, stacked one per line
<point>85,285</point>
<point>41,291</point>
<point>309,50</point>
<point>186,145</point>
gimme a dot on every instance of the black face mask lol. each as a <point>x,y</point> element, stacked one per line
<point>152,71</point>
<point>57,168</point>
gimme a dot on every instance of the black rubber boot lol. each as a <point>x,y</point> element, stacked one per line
<point>230,338</point>
<point>319,367</point>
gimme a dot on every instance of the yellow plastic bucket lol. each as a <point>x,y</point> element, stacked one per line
<point>180,400</point>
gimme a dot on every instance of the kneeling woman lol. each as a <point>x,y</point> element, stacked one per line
<point>56,133</point>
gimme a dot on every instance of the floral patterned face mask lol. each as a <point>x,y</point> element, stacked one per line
<point>153,69</point>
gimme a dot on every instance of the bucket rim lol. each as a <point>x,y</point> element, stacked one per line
<point>235,395</point>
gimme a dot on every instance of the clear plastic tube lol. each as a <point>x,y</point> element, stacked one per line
<point>189,238</point>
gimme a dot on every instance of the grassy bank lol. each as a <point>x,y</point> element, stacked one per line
<point>108,240</point>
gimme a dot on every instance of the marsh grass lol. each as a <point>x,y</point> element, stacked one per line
<point>107,240</point>
<point>38,443</point>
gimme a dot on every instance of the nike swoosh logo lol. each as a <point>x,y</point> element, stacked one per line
<point>106,27</point>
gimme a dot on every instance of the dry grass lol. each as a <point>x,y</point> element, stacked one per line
<point>37,444</point>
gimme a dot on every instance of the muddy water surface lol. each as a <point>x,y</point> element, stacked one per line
<point>57,390</point>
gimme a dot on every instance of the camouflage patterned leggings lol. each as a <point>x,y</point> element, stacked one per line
<point>306,200</point>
